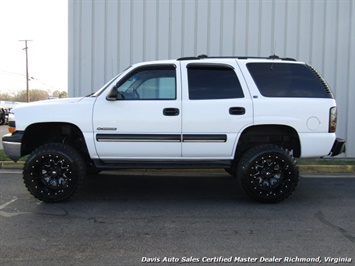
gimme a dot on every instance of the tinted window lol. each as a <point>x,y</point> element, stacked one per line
<point>149,83</point>
<point>213,82</point>
<point>288,80</point>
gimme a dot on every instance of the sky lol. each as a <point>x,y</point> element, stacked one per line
<point>45,23</point>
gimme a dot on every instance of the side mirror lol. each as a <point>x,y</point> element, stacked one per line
<point>114,95</point>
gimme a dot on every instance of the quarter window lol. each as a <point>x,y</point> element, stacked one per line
<point>213,82</point>
<point>288,80</point>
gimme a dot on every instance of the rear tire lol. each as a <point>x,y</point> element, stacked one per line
<point>54,172</point>
<point>268,173</point>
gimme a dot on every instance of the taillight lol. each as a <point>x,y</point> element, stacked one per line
<point>333,119</point>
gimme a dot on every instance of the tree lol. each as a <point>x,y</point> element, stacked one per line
<point>4,96</point>
<point>38,95</point>
<point>60,94</point>
<point>35,95</point>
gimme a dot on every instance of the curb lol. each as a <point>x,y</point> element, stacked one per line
<point>11,165</point>
<point>302,168</point>
<point>327,168</point>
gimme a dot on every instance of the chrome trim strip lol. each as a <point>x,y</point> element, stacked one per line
<point>195,138</point>
<point>138,138</point>
<point>204,140</point>
<point>218,138</point>
<point>135,140</point>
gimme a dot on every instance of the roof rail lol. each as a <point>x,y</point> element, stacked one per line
<point>193,57</point>
<point>203,56</point>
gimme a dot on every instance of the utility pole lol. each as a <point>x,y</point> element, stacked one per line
<point>27,77</point>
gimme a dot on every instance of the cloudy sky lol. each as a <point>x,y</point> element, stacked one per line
<point>45,22</point>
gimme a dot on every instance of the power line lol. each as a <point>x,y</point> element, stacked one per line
<point>30,78</point>
<point>45,84</point>
<point>11,73</point>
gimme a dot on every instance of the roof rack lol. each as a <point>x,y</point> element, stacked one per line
<point>203,56</point>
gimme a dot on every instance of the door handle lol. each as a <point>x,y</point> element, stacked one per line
<point>237,111</point>
<point>171,111</point>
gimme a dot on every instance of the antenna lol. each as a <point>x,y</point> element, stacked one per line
<point>274,47</point>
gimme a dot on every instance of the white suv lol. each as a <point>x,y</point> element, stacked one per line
<point>250,116</point>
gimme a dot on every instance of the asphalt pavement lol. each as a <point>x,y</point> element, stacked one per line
<point>3,131</point>
<point>177,218</point>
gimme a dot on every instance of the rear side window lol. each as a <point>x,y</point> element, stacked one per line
<point>288,80</point>
<point>208,82</point>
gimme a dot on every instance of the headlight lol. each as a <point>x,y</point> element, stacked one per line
<point>12,123</point>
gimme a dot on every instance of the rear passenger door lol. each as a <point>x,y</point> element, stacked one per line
<point>216,106</point>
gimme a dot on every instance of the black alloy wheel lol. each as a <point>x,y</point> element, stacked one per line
<point>53,172</point>
<point>268,173</point>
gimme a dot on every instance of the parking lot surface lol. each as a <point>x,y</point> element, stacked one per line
<point>3,131</point>
<point>177,218</point>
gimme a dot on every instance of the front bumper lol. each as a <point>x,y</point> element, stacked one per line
<point>12,145</point>
<point>338,147</point>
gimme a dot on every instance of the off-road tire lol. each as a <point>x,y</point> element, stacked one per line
<point>54,172</point>
<point>268,173</point>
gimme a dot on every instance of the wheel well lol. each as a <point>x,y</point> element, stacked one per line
<point>280,135</point>
<point>38,134</point>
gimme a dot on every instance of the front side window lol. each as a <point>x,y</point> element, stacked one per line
<point>288,80</point>
<point>208,82</point>
<point>149,83</point>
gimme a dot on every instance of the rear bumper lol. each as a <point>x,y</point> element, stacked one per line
<point>12,145</point>
<point>338,147</point>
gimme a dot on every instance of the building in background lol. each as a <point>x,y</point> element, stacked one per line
<point>107,36</point>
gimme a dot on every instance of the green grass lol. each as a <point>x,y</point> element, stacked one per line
<point>3,157</point>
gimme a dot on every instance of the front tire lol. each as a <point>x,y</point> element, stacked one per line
<point>268,173</point>
<point>54,172</point>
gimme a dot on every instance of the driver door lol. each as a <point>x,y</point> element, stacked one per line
<point>141,117</point>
